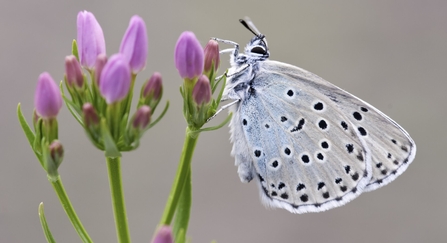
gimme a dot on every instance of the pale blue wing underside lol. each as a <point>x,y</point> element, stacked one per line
<point>311,145</point>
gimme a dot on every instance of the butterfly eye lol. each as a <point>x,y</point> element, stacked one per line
<point>258,50</point>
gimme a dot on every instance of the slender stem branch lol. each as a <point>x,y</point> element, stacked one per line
<point>69,210</point>
<point>180,178</point>
<point>119,206</point>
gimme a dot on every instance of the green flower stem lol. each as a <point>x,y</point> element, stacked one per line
<point>183,210</point>
<point>119,206</point>
<point>181,177</point>
<point>69,210</point>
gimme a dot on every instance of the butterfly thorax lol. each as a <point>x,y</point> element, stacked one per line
<point>244,67</point>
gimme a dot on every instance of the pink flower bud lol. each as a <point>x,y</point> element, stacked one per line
<point>188,56</point>
<point>56,152</point>
<point>153,86</point>
<point>115,79</point>
<point>212,55</point>
<point>134,44</point>
<point>91,118</point>
<point>164,235</point>
<point>90,39</point>
<point>201,92</point>
<point>142,117</point>
<point>47,98</point>
<point>73,72</point>
<point>101,61</point>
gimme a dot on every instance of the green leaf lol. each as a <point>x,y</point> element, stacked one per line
<point>25,127</point>
<point>110,146</point>
<point>43,222</point>
<point>28,132</point>
<point>74,49</point>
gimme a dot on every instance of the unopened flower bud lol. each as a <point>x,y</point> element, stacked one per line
<point>163,235</point>
<point>152,91</point>
<point>202,91</point>
<point>73,72</point>
<point>153,87</point>
<point>134,44</point>
<point>212,57</point>
<point>101,61</point>
<point>115,79</point>
<point>56,152</point>
<point>90,39</point>
<point>91,118</point>
<point>142,117</point>
<point>47,98</point>
<point>188,56</point>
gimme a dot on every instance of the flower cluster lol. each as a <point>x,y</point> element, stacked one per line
<point>100,93</point>
<point>197,66</point>
<point>106,100</point>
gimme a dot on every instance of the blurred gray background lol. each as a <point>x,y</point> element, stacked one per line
<point>392,54</point>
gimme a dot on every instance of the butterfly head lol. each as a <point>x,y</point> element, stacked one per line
<point>257,48</point>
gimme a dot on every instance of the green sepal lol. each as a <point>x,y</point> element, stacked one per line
<point>37,147</point>
<point>43,222</point>
<point>219,97</point>
<point>207,129</point>
<point>110,147</point>
<point>74,50</point>
<point>224,77</point>
<point>74,110</point>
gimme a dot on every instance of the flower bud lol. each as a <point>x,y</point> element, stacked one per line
<point>101,61</point>
<point>201,93</point>
<point>134,44</point>
<point>188,56</point>
<point>212,56</point>
<point>142,117</point>
<point>90,39</point>
<point>56,153</point>
<point>115,79</point>
<point>153,86</point>
<point>91,118</point>
<point>47,97</point>
<point>73,72</point>
<point>163,235</point>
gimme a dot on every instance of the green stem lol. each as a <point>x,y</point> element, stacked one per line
<point>69,210</point>
<point>119,206</point>
<point>183,211</point>
<point>180,178</point>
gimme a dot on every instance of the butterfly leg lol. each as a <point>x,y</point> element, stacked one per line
<point>223,108</point>
<point>236,45</point>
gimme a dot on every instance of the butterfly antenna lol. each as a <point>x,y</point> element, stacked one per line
<point>250,26</point>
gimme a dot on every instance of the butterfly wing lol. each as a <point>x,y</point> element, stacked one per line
<point>311,145</point>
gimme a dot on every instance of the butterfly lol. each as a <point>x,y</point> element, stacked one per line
<point>310,145</point>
